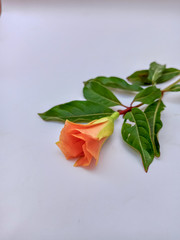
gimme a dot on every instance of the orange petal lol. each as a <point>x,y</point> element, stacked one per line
<point>70,145</point>
<point>93,146</point>
<point>85,160</point>
<point>88,129</point>
<point>81,136</point>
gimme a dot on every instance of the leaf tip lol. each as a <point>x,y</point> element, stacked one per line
<point>41,115</point>
<point>157,155</point>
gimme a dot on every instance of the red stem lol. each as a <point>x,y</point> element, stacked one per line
<point>128,109</point>
<point>122,112</point>
<point>124,105</point>
<point>138,105</point>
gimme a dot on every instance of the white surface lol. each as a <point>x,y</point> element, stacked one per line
<point>45,55</point>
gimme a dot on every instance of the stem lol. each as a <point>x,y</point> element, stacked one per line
<point>124,105</point>
<point>128,109</point>
<point>139,105</point>
<point>123,112</point>
<point>131,103</point>
<point>115,115</point>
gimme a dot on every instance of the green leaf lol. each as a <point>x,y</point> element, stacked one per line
<point>95,92</point>
<point>136,132</point>
<point>140,77</point>
<point>153,114</point>
<point>155,72</point>
<point>175,88</point>
<point>115,82</point>
<point>76,111</point>
<point>148,95</point>
<point>168,74</point>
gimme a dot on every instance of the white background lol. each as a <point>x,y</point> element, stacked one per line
<point>46,52</point>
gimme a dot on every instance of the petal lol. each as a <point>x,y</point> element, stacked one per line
<point>81,136</point>
<point>85,160</point>
<point>70,145</point>
<point>88,129</point>
<point>93,146</point>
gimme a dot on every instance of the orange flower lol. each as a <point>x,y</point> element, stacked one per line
<point>85,141</point>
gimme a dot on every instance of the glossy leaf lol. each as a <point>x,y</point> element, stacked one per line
<point>168,74</point>
<point>153,114</point>
<point>140,77</point>
<point>148,95</point>
<point>76,111</point>
<point>155,72</point>
<point>115,82</point>
<point>136,132</point>
<point>95,92</point>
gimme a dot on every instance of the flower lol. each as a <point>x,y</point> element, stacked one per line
<point>85,141</point>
